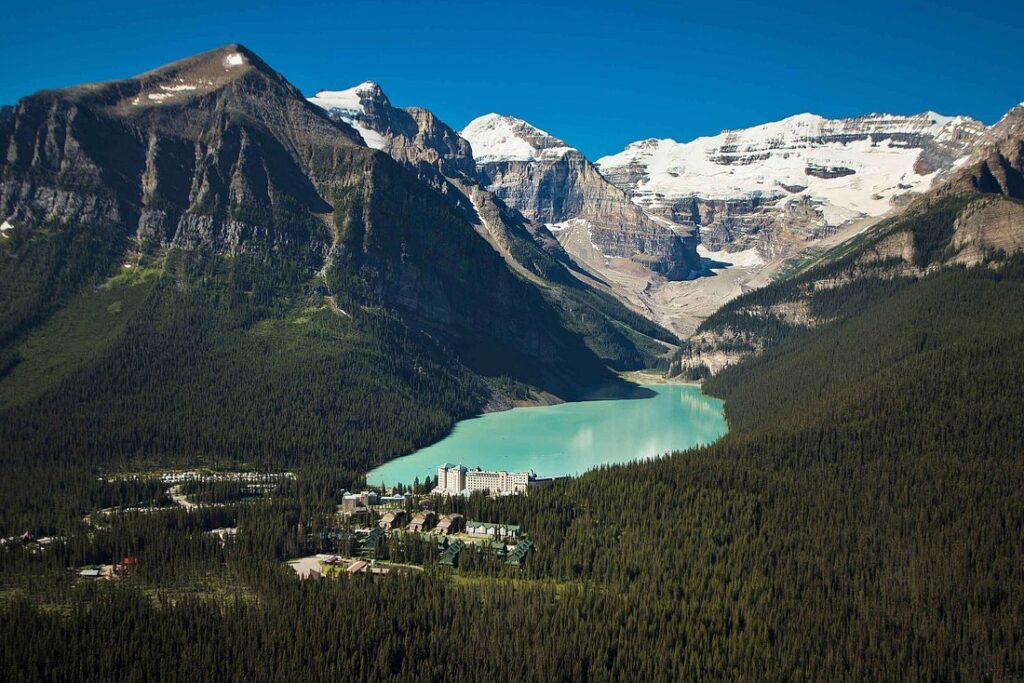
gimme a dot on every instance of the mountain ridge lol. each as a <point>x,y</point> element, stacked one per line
<point>441,158</point>
<point>776,184</point>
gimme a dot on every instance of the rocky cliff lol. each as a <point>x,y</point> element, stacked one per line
<point>997,163</point>
<point>443,159</point>
<point>553,184</point>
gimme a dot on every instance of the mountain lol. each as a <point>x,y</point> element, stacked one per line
<point>201,235</point>
<point>555,185</point>
<point>776,186</point>
<point>972,217</point>
<point>444,160</point>
<point>411,135</point>
<point>997,163</point>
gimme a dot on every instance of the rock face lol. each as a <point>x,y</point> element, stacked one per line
<point>443,159</point>
<point>411,135</point>
<point>219,156</point>
<point>997,163</point>
<point>778,185</point>
<point>552,183</point>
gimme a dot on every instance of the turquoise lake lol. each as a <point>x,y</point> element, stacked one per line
<point>570,438</point>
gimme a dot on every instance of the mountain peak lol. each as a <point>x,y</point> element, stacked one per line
<point>496,137</point>
<point>351,102</point>
<point>178,82</point>
<point>359,107</point>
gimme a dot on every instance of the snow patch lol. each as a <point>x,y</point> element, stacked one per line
<point>234,59</point>
<point>371,137</point>
<point>178,87</point>
<point>6,227</point>
<point>342,101</point>
<point>748,258</point>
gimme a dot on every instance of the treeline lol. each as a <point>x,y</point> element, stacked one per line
<point>202,380</point>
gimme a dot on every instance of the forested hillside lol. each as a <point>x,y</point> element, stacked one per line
<point>862,520</point>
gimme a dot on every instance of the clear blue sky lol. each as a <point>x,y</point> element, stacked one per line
<point>598,74</point>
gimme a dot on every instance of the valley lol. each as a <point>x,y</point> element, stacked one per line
<point>255,344</point>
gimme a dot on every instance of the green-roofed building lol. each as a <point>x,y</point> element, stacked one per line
<point>517,556</point>
<point>497,531</point>
<point>371,542</point>
<point>450,556</point>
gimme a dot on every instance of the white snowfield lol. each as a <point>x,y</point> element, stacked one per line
<point>770,162</point>
<point>494,137</point>
<point>348,106</point>
<point>748,258</point>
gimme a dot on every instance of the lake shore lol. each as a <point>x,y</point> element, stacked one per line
<point>647,377</point>
<point>571,438</point>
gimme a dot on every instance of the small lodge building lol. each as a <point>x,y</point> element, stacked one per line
<point>451,524</point>
<point>450,556</point>
<point>393,520</point>
<point>423,521</point>
<point>501,532</point>
<point>517,556</point>
<point>372,542</point>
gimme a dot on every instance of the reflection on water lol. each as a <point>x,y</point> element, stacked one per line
<point>570,438</point>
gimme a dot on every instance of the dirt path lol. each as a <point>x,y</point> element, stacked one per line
<point>179,498</point>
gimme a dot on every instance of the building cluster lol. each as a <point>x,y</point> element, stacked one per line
<point>358,505</point>
<point>512,554</point>
<point>422,522</point>
<point>454,480</point>
<point>207,477</point>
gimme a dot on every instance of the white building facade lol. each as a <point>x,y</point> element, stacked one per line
<point>451,479</point>
<point>455,479</point>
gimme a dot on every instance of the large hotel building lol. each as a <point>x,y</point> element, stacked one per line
<point>456,479</point>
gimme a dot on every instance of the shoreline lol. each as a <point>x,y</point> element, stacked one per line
<point>478,435</point>
<point>641,377</point>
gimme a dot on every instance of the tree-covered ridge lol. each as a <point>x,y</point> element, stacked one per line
<point>934,233</point>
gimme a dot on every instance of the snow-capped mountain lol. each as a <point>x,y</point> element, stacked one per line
<point>553,184</point>
<point>409,134</point>
<point>442,159</point>
<point>504,138</point>
<point>351,107</point>
<point>790,180</point>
